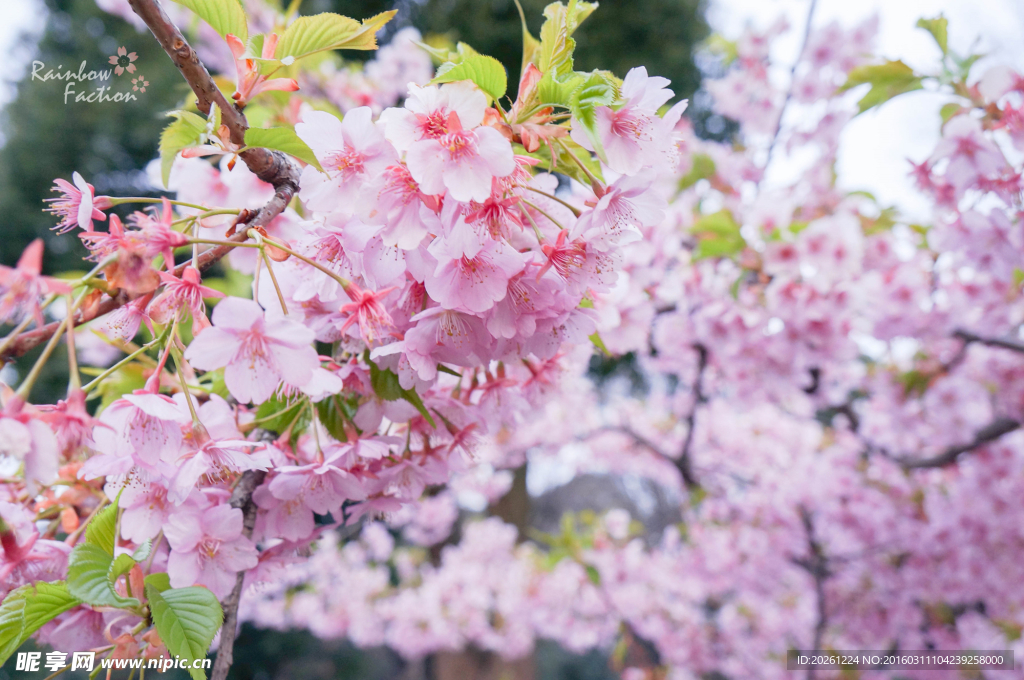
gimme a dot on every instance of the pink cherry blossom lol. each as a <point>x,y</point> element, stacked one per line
<point>207,547</point>
<point>462,161</point>
<point>77,206</point>
<point>22,286</point>
<point>256,353</point>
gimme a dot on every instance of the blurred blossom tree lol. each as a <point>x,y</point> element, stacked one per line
<point>807,433</point>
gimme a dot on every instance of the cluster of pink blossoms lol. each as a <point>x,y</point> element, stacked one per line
<point>418,300</point>
<point>832,408</point>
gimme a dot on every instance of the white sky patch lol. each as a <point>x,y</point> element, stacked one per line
<point>875,147</point>
<point>20,18</point>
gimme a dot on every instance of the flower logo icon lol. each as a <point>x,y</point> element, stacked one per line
<point>123,61</point>
<point>139,84</point>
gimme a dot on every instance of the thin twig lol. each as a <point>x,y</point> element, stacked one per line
<point>1002,343</point>
<point>985,435</point>
<point>241,498</point>
<point>789,91</point>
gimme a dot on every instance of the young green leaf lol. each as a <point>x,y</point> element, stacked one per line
<point>486,72</point>
<point>938,27</point>
<point>121,565</point>
<point>385,383</point>
<point>282,139</point>
<point>718,234</point>
<point>160,581</point>
<point>186,130</point>
<point>595,91</point>
<point>413,398</point>
<point>887,80</point>
<point>186,619</point>
<point>335,412</point>
<point>531,46</point>
<point>224,16</point>
<point>556,43</point>
<point>45,601</point>
<point>89,580</point>
<point>558,92</point>
<point>12,622</point>
<point>100,531</point>
<point>311,34</point>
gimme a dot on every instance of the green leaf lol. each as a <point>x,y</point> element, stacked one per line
<point>100,531</point>
<point>385,383</point>
<point>556,43</point>
<point>593,574</point>
<point>282,139</point>
<point>88,577</point>
<point>703,168</point>
<point>938,28</point>
<point>887,80</point>
<point>531,46</point>
<point>12,622</point>
<point>595,91</point>
<point>718,234</point>
<point>563,162</point>
<point>311,34</point>
<point>224,16</point>
<point>160,581</point>
<point>121,565</point>
<point>596,340</point>
<point>44,602</point>
<point>558,92</point>
<point>277,414</point>
<point>27,609</point>
<point>486,72</point>
<point>186,619</point>
<point>186,130</point>
<point>335,411</point>
<point>413,398</point>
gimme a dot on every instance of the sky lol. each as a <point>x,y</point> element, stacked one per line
<point>876,145</point>
<point>875,148</point>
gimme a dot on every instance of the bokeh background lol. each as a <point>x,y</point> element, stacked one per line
<point>41,138</point>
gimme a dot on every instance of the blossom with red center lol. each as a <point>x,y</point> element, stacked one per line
<point>352,152</point>
<point>472,273</point>
<point>427,110</point>
<point>367,310</point>
<point>208,548</point>
<point>22,286</point>
<point>77,206</point>
<point>566,259</point>
<point>462,161</point>
<point>406,212</point>
<point>256,353</point>
<point>70,422</point>
<point>158,234</point>
<point>182,294</point>
<point>634,136</point>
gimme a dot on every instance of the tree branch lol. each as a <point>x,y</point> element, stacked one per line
<point>684,463</point>
<point>1003,343</point>
<point>241,498</point>
<point>989,433</point>
<point>816,563</point>
<point>272,167</point>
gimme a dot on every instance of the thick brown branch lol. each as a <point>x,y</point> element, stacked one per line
<point>241,498</point>
<point>816,563</point>
<point>1003,343</point>
<point>272,167</point>
<point>684,463</point>
<point>989,433</point>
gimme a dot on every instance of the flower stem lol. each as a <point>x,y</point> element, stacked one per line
<point>542,212</point>
<point>74,380</point>
<point>144,199</point>
<point>105,374</point>
<point>273,277</point>
<point>26,386</point>
<point>594,181</point>
<point>574,209</point>
<point>343,282</point>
